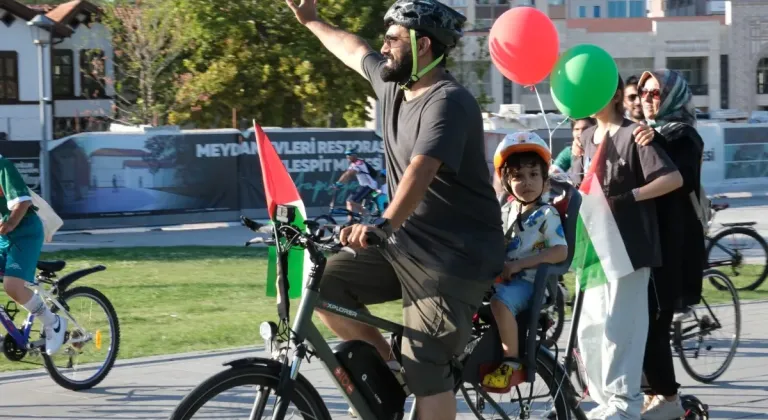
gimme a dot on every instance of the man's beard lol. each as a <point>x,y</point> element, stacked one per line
<point>400,72</point>
<point>637,114</point>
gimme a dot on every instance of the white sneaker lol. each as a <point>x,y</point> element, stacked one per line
<point>647,402</point>
<point>54,336</point>
<point>597,412</point>
<point>663,409</point>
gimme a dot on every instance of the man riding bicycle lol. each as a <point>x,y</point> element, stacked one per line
<point>367,184</point>
<point>445,243</point>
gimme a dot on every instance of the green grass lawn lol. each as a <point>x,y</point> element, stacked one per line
<point>174,300</point>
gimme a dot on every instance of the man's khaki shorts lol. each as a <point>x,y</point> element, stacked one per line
<point>437,308</point>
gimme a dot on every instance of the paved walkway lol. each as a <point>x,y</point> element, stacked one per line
<point>150,388</point>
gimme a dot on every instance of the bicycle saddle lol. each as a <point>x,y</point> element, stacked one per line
<point>51,266</point>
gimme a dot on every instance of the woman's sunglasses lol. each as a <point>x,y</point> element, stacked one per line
<point>655,93</point>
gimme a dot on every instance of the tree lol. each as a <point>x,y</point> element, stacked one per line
<point>148,41</point>
<point>254,57</point>
<point>469,68</point>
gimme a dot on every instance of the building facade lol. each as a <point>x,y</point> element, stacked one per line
<point>721,47</point>
<point>77,70</point>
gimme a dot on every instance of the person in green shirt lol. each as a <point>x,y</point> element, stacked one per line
<point>562,162</point>
<point>21,241</point>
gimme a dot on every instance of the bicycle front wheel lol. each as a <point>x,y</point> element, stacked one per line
<point>93,340</point>
<point>743,252</point>
<point>707,340</point>
<point>245,393</point>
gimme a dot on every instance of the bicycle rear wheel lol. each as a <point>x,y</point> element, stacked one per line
<point>484,406</point>
<point>89,353</point>
<point>247,403</point>
<point>693,337</point>
<point>747,258</point>
<point>556,315</point>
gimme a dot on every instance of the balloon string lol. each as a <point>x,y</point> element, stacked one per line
<point>546,120</point>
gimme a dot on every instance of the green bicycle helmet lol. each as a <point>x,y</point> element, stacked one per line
<point>432,18</point>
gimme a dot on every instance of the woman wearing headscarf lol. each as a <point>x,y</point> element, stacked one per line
<point>668,108</point>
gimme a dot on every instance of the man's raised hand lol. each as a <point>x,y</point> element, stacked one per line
<point>305,11</point>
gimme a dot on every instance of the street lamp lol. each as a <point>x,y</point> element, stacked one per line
<point>42,28</point>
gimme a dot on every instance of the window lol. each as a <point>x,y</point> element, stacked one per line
<point>483,24</point>
<point>63,82</point>
<point>66,126</point>
<point>582,11</point>
<point>507,91</point>
<point>9,76</point>
<point>93,76</point>
<point>637,8</point>
<point>617,8</point>
<point>694,69</point>
<point>762,76</point>
<point>596,11</point>
<point>634,66</point>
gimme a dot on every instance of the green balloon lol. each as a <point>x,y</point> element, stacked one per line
<point>583,81</point>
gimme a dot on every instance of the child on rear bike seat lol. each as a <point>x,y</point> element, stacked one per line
<point>534,235</point>
<point>21,240</point>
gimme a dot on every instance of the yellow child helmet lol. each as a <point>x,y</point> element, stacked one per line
<point>524,141</point>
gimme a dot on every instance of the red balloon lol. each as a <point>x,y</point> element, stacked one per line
<point>524,45</point>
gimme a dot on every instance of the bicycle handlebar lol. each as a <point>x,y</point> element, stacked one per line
<point>308,240</point>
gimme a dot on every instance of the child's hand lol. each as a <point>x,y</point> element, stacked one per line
<point>510,268</point>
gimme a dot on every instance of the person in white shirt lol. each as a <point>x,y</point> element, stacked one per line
<point>367,184</point>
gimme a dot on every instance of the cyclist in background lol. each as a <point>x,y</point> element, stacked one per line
<point>367,184</point>
<point>21,240</point>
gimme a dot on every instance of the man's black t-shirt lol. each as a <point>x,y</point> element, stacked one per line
<point>456,229</point>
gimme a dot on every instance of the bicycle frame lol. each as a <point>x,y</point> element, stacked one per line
<point>305,333</point>
<point>21,336</point>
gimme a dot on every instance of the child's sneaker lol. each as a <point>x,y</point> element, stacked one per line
<point>662,409</point>
<point>508,374</point>
<point>54,335</point>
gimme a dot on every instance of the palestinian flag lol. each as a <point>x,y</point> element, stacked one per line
<point>279,188</point>
<point>599,255</point>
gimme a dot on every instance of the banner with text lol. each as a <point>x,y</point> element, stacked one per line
<point>25,155</point>
<point>171,172</point>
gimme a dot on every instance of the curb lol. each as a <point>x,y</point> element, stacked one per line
<point>172,228</point>
<point>152,360</point>
<point>738,195</point>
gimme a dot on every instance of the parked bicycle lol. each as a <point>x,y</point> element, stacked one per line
<point>90,346</point>
<point>356,368</point>
<point>739,247</point>
<point>692,338</point>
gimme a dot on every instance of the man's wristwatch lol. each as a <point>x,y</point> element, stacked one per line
<point>383,224</point>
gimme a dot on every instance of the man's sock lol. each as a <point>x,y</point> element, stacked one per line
<point>39,309</point>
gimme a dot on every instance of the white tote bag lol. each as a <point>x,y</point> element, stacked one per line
<point>51,221</point>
